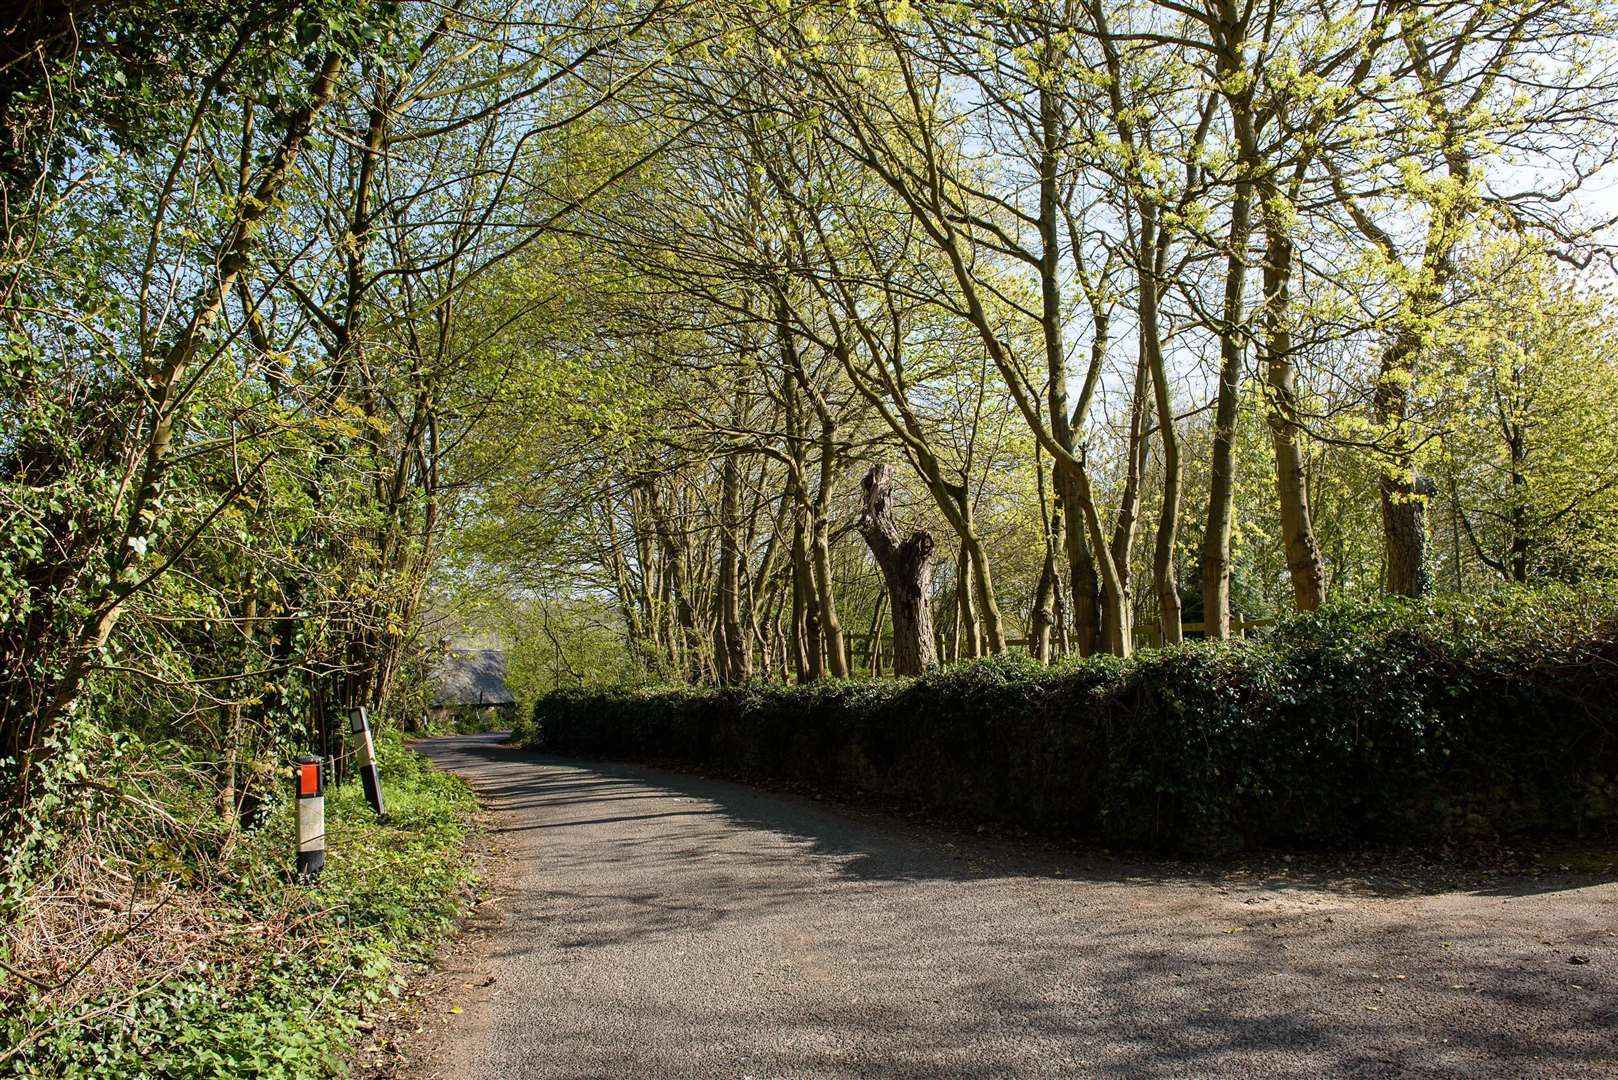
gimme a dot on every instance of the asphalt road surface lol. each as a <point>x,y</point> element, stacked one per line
<point>660,925</point>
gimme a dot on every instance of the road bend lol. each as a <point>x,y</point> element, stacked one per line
<point>662,925</point>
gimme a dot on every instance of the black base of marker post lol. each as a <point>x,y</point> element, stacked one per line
<point>310,787</point>
<point>359,729</point>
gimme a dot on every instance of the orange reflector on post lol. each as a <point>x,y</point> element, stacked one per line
<point>311,803</point>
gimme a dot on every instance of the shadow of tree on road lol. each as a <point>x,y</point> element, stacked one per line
<point>866,840</point>
<point>724,930</point>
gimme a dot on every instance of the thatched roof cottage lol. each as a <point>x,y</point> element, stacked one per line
<point>468,680</point>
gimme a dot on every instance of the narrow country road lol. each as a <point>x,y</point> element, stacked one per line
<point>660,925</point>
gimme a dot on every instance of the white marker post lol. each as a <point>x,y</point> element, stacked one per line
<point>359,727</point>
<point>311,791</point>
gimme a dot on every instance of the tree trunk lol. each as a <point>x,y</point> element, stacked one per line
<point>1089,635</point>
<point>1292,483</point>
<point>1404,531</point>
<point>1052,332</point>
<point>1222,479</point>
<point>734,654</point>
<point>761,593</point>
<point>1168,520</point>
<point>970,642</point>
<point>836,654</point>
<point>1128,518</point>
<point>1519,504</point>
<point>1404,492</point>
<point>807,642</point>
<point>873,658</point>
<point>991,637</point>
<point>1040,618</point>
<point>1089,604</point>
<point>836,649</point>
<point>1047,603</point>
<point>648,578</point>
<point>1058,550</point>
<point>907,568</point>
<point>674,561</point>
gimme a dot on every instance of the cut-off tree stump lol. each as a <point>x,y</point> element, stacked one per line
<point>908,570</point>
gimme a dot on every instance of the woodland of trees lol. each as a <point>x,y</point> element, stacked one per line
<point>722,340</point>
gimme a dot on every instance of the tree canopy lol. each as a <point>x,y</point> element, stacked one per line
<point>735,340</point>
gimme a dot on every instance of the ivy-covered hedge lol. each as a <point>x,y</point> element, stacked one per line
<point>1383,723</point>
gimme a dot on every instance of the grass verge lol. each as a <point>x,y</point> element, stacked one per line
<point>219,967</point>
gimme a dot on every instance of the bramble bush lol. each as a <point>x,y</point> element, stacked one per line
<point>1385,722</point>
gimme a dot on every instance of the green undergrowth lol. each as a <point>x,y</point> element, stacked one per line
<point>245,974</point>
<point>1387,723</point>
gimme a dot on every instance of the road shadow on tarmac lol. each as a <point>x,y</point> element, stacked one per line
<point>976,955</point>
<point>893,843</point>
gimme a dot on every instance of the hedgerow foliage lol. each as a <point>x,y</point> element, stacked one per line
<point>1387,722</point>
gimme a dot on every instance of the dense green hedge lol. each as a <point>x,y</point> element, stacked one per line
<point>1384,723</point>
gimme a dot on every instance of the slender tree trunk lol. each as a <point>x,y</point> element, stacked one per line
<point>1089,634</point>
<point>879,612</point>
<point>1304,565</point>
<point>1403,490</point>
<point>1222,479</point>
<point>1043,615</point>
<point>969,644</point>
<point>991,637</point>
<point>1051,331</point>
<point>1057,546</point>
<point>649,579</point>
<point>1127,520</point>
<point>778,650</point>
<point>800,655</point>
<point>677,575</point>
<point>953,640</point>
<point>762,599</point>
<point>613,555</point>
<point>1040,619</point>
<point>734,652</point>
<point>1062,645</point>
<point>1168,521</point>
<point>836,652</point>
<point>1519,505</point>
<point>808,642</point>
